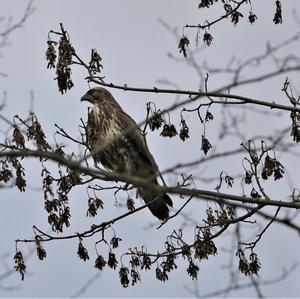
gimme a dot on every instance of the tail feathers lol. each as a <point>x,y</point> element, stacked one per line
<point>158,203</point>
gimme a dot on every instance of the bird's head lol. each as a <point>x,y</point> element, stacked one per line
<point>97,95</point>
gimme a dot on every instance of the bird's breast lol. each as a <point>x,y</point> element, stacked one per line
<point>105,123</point>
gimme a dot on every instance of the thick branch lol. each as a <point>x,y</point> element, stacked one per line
<point>199,94</point>
<point>137,181</point>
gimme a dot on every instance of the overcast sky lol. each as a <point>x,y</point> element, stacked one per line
<point>134,46</point>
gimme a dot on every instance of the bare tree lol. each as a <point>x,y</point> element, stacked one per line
<point>251,203</point>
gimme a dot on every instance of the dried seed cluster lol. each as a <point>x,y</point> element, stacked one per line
<point>260,162</point>
<point>61,55</point>
<point>183,45</point>
<point>248,267</point>
<point>278,13</point>
<point>40,251</point>
<point>272,167</point>
<point>94,204</point>
<point>155,120</point>
<point>20,265</point>
<point>295,117</point>
<point>219,216</point>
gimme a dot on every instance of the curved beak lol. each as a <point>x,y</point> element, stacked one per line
<point>85,98</point>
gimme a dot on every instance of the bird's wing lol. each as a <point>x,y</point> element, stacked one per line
<point>137,139</point>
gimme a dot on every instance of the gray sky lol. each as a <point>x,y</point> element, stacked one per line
<point>133,45</point>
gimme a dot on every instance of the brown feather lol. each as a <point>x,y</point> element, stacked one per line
<point>127,154</point>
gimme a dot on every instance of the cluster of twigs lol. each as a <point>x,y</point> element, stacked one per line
<point>232,12</point>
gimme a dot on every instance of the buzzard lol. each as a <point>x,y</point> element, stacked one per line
<point>127,153</point>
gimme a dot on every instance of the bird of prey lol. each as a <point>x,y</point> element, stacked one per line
<point>128,153</point>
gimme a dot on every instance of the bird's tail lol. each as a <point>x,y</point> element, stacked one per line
<point>158,203</point>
